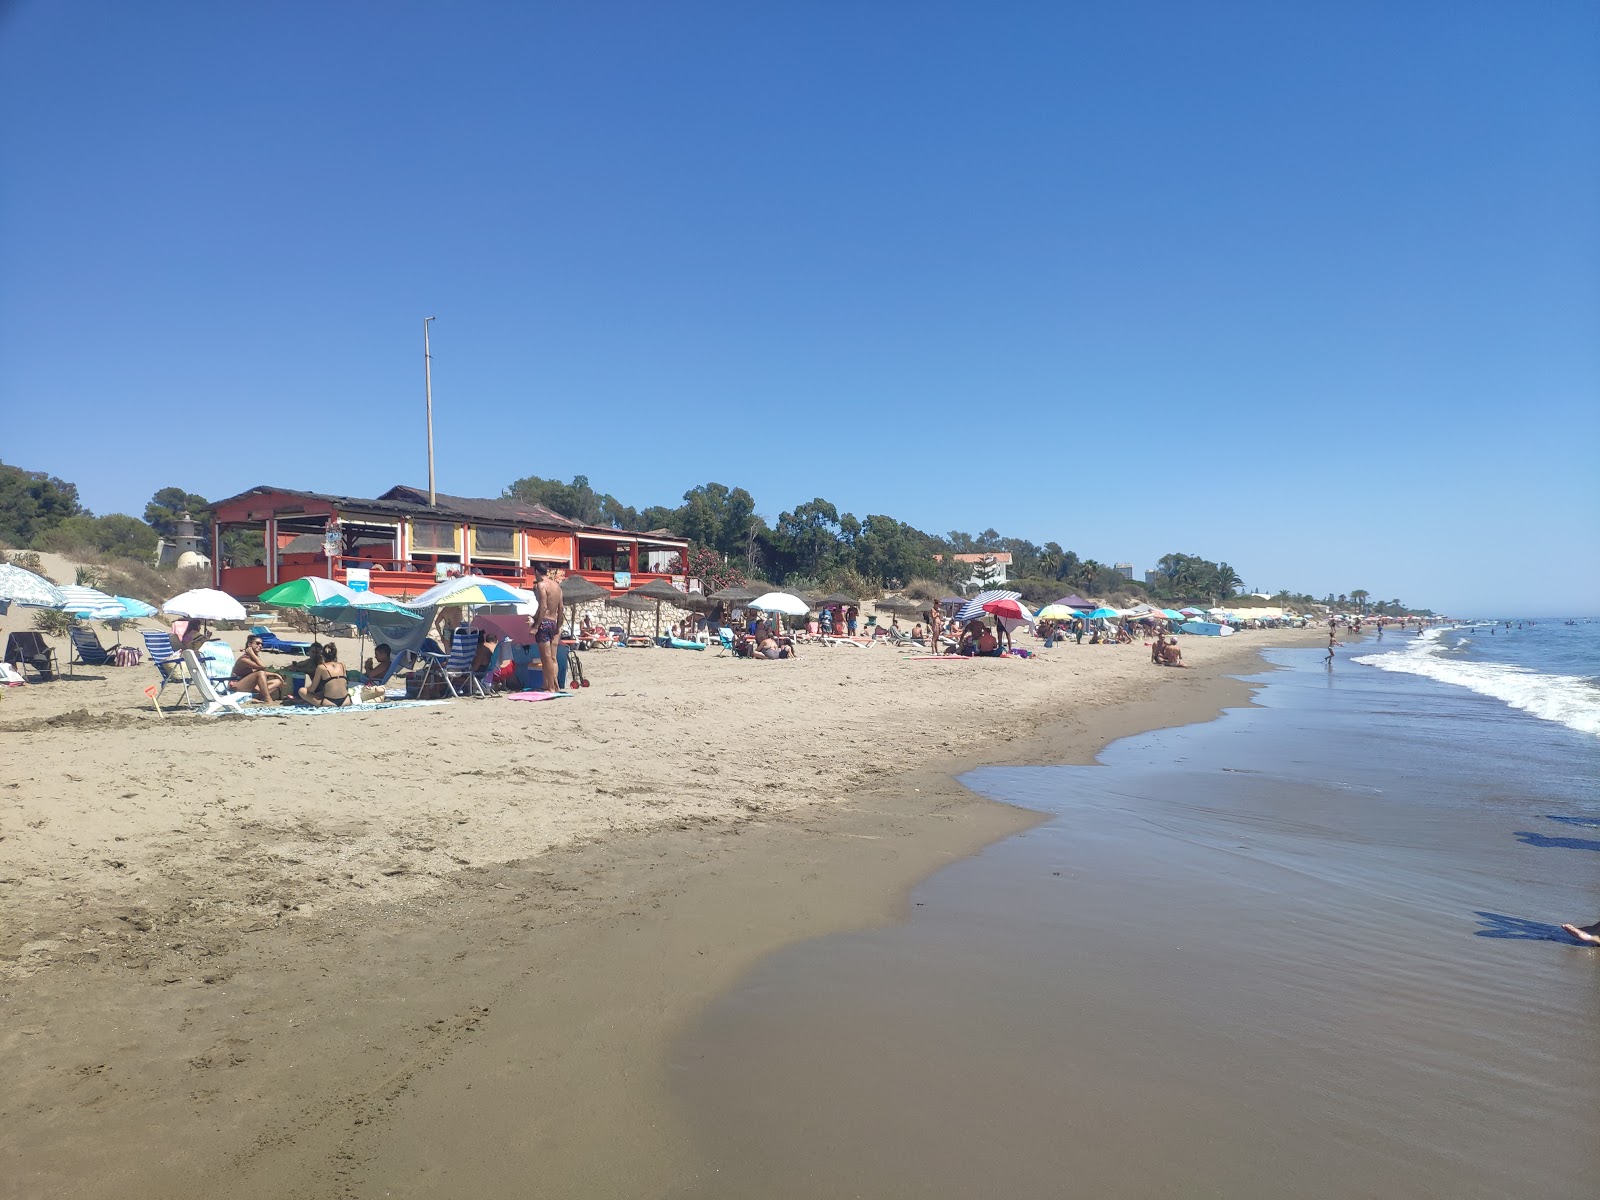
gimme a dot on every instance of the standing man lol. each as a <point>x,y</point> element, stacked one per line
<point>547,628</point>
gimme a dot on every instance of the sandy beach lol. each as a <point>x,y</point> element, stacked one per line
<point>279,946</point>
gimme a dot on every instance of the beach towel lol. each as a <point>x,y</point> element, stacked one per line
<point>940,657</point>
<point>536,696</point>
<point>303,710</point>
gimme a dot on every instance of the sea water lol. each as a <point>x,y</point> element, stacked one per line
<point>1310,949</point>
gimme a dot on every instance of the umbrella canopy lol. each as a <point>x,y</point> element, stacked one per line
<point>974,608</point>
<point>1076,601</point>
<point>1103,612</point>
<point>24,587</point>
<point>1170,615</point>
<point>1193,612</point>
<point>660,589</point>
<point>1013,612</point>
<point>204,604</point>
<point>631,603</point>
<point>780,602</point>
<point>1058,612</point>
<point>472,589</point>
<point>133,609</point>
<point>575,589</point>
<point>838,598</point>
<point>952,602</point>
<point>89,603</point>
<point>311,592</point>
<point>741,593</point>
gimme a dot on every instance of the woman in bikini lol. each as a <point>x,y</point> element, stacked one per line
<point>328,687</point>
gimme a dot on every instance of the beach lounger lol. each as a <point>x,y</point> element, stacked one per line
<point>87,650</point>
<point>28,651</point>
<point>213,702</point>
<point>168,662</point>
<point>271,641</point>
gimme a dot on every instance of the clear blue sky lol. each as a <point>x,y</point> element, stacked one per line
<point>1312,288</point>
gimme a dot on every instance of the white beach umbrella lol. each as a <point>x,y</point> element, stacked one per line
<point>780,602</point>
<point>18,586</point>
<point>204,604</point>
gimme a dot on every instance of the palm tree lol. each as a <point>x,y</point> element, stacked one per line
<point>1360,595</point>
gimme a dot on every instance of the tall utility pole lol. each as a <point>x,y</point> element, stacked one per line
<point>427,376</point>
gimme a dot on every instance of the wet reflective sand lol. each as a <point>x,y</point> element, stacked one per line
<point>1302,951</point>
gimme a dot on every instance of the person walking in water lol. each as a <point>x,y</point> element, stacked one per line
<point>547,627</point>
<point>1332,642</point>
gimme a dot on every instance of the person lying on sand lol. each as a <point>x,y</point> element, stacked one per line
<point>1589,935</point>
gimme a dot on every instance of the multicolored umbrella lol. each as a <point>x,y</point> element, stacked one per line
<point>472,589</point>
<point>1058,612</point>
<point>18,586</point>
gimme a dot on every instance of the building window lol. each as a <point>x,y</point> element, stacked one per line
<point>433,537</point>
<point>493,541</point>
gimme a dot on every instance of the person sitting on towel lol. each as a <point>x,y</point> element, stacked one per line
<point>328,687</point>
<point>768,647</point>
<point>988,644</point>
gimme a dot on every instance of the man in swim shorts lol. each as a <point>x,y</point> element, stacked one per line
<point>547,626</point>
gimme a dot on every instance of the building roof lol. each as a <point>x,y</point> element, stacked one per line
<point>404,501</point>
<point>999,557</point>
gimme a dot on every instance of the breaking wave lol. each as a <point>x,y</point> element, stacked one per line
<point>1570,700</point>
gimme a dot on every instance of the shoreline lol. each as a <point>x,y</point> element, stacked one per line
<point>511,1019</point>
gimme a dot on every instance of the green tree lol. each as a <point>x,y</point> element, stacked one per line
<point>115,534</point>
<point>1359,596</point>
<point>577,500</point>
<point>32,502</point>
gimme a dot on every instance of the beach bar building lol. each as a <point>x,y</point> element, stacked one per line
<point>400,545</point>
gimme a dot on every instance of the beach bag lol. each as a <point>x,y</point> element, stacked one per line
<point>126,656</point>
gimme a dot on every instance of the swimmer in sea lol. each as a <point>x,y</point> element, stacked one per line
<point>1589,935</point>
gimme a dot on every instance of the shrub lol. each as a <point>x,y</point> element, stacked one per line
<point>28,561</point>
<point>54,621</point>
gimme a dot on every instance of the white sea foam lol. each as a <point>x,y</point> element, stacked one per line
<point>1571,700</point>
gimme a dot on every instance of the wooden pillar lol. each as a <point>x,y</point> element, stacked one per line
<point>271,536</point>
<point>216,554</point>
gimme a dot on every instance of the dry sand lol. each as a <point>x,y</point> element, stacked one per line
<point>262,957</point>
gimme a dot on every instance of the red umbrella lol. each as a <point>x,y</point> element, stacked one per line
<point>1010,610</point>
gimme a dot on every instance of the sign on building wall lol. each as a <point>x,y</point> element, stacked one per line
<point>359,579</point>
<point>622,580</point>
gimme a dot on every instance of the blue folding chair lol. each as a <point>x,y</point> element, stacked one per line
<point>167,661</point>
<point>271,641</point>
<point>457,667</point>
<point>87,650</point>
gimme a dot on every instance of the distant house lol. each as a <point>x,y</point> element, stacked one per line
<point>988,570</point>
<point>399,543</point>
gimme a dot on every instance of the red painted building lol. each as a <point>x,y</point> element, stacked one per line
<point>405,544</point>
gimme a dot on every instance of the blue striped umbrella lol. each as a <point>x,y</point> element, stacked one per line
<point>89,603</point>
<point>973,609</point>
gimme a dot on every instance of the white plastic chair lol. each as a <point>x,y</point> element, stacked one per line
<point>212,702</point>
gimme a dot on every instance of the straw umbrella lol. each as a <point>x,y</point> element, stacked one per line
<point>631,604</point>
<point>576,590</point>
<point>660,591</point>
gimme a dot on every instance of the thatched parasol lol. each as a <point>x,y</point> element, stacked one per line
<point>739,593</point>
<point>838,598</point>
<point>631,604</point>
<point>661,592</point>
<point>903,605</point>
<point>576,590</point>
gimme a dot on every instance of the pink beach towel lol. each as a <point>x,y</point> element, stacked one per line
<point>535,696</point>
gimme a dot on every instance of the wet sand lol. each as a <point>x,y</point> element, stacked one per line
<point>1239,960</point>
<point>304,958</point>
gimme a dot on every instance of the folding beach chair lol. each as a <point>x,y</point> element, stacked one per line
<point>87,650</point>
<point>456,668</point>
<point>28,651</point>
<point>725,636</point>
<point>214,703</point>
<point>168,662</point>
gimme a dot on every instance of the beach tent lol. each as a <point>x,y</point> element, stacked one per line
<point>1076,601</point>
